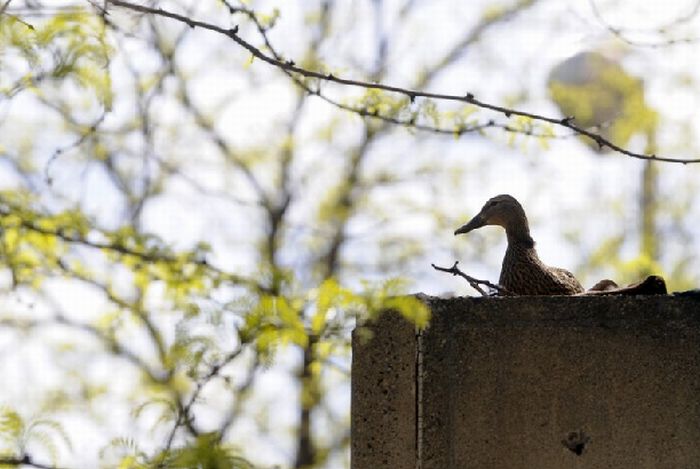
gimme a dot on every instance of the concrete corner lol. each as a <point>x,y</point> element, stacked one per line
<point>532,382</point>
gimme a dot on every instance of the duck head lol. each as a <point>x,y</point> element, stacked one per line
<point>502,210</point>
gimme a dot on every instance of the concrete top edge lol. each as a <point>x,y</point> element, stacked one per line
<point>566,310</point>
<point>693,295</point>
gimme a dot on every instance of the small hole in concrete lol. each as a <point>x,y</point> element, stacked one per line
<point>576,442</point>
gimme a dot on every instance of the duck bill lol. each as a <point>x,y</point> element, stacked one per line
<point>476,222</point>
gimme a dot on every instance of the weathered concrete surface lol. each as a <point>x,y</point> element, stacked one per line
<point>383,395</point>
<point>510,383</point>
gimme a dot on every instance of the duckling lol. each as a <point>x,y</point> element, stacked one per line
<point>522,273</point>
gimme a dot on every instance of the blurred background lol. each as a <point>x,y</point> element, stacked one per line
<point>189,234</point>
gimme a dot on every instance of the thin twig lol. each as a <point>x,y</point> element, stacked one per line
<point>240,391</point>
<point>621,33</point>
<point>85,135</point>
<point>141,253</point>
<point>469,98</point>
<point>184,413</point>
<point>4,7</point>
<point>25,460</point>
<point>474,282</point>
<point>410,122</point>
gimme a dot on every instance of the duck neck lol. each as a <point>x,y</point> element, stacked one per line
<point>519,235</point>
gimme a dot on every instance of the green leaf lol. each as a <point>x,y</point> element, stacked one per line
<point>11,425</point>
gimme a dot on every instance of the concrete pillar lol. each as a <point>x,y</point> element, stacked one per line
<point>531,383</point>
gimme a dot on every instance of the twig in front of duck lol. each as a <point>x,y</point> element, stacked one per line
<point>475,283</point>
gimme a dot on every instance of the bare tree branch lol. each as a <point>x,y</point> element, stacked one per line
<point>411,122</point>
<point>146,255</point>
<point>183,416</point>
<point>474,282</point>
<point>109,343</point>
<point>623,34</point>
<point>25,460</point>
<point>240,392</point>
<point>4,7</point>
<point>412,94</point>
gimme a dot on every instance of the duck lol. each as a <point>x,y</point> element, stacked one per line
<point>522,272</point>
<point>652,285</point>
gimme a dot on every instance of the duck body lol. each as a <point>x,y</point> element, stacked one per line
<point>522,272</point>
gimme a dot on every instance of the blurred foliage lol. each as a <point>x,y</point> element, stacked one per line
<point>19,435</point>
<point>206,452</point>
<point>602,95</point>
<point>67,48</point>
<point>36,246</point>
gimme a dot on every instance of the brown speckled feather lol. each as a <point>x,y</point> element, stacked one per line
<point>523,273</point>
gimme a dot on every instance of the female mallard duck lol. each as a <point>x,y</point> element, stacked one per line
<point>523,273</point>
